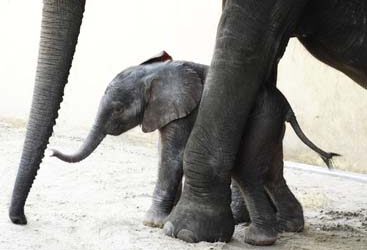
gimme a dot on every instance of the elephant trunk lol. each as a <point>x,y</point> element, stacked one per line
<point>90,144</point>
<point>61,22</point>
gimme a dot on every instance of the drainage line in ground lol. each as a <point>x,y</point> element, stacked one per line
<point>325,171</point>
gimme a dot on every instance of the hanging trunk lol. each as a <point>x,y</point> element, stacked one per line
<point>90,144</point>
<point>61,22</point>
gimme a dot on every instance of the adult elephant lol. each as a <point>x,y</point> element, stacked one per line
<point>252,37</point>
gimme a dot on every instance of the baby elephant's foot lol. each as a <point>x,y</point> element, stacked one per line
<point>155,217</point>
<point>257,236</point>
<point>240,212</point>
<point>194,221</point>
<point>295,224</point>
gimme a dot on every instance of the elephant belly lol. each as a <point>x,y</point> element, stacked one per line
<point>335,32</point>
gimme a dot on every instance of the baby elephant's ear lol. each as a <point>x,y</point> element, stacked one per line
<point>171,93</point>
<point>161,57</point>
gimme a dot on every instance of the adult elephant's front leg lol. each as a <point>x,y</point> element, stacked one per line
<point>252,35</point>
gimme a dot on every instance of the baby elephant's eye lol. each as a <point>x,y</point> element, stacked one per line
<point>118,109</point>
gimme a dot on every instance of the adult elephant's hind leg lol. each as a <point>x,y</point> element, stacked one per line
<point>252,36</point>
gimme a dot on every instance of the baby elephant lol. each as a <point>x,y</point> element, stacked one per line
<point>164,94</point>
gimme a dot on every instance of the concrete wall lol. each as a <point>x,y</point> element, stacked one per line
<point>122,33</point>
<point>330,107</point>
<point>115,34</point>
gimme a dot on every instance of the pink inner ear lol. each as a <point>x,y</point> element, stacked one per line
<point>161,57</point>
<point>165,56</point>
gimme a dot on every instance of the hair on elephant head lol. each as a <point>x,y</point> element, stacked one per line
<point>152,94</point>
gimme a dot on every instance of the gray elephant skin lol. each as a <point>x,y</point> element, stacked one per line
<point>163,94</point>
<point>251,39</point>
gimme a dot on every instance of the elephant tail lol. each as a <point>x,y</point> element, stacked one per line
<point>325,156</point>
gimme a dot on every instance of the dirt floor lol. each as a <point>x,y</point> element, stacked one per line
<point>100,203</point>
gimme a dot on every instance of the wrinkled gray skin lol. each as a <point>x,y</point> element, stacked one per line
<point>152,95</point>
<point>251,39</point>
<point>165,96</point>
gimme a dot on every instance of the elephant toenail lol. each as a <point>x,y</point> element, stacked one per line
<point>168,229</point>
<point>186,235</point>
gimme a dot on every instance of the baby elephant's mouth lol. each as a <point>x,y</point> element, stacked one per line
<point>117,129</point>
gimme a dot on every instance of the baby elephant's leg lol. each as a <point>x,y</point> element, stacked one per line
<point>260,145</point>
<point>289,210</point>
<point>238,205</point>
<point>173,138</point>
<point>254,158</point>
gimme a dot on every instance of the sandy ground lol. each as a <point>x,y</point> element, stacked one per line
<point>100,203</point>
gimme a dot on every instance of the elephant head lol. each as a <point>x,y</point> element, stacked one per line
<point>151,94</point>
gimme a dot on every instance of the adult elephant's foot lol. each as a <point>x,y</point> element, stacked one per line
<point>258,236</point>
<point>294,224</point>
<point>194,220</point>
<point>155,217</point>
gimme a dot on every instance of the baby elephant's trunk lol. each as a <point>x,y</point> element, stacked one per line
<point>90,144</point>
<point>325,156</point>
